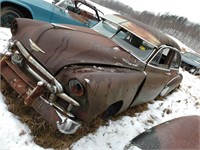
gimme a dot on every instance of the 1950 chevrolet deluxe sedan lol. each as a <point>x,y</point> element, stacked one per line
<point>72,74</point>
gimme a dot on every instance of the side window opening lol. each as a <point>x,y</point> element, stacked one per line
<point>176,61</point>
<point>163,58</point>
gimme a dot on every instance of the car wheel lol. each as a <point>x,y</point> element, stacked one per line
<point>8,14</point>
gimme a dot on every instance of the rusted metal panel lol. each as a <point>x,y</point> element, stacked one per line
<point>67,49</point>
<point>23,85</point>
<point>46,111</point>
<point>155,81</point>
<point>36,92</point>
<point>142,33</point>
<point>13,79</point>
<point>134,28</point>
<point>179,133</point>
<point>104,86</point>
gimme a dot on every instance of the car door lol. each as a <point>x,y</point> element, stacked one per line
<point>62,15</point>
<point>78,13</point>
<point>157,76</point>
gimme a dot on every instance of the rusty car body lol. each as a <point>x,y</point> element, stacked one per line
<point>71,74</point>
<point>178,133</point>
<point>76,12</point>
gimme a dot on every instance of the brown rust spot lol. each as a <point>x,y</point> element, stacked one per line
<point>37,91</point>
<point>141,33</point>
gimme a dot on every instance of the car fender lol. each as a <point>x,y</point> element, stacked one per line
<point>17,3</point>
<point>104,86</point>
<point>171,85</point>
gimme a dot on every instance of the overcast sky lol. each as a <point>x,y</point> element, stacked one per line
<point>186,8</point>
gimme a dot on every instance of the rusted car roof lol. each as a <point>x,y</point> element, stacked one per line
<point>142,30</point>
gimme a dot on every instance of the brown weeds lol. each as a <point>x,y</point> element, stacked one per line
<point>45,135</point>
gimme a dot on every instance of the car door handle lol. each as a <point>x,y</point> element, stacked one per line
<point>168,73</point>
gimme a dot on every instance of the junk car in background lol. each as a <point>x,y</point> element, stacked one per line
<point>76,12</point>
<point>191,62</point>
<point>71,74</point>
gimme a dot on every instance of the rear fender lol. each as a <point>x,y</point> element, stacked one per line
<point>171,85</point>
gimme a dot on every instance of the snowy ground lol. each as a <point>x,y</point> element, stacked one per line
<point>116,134</point>
<point>185,101</point>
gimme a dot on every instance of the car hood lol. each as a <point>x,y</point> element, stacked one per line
<point>71,45</point>
<point>190,61</point>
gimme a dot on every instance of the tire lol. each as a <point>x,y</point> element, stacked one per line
<point>8,14</point>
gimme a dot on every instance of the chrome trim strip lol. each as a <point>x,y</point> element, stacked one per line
<point>173,79</point>
<point>160,68</point>
<point>62,26</point>
<point>58,86</point>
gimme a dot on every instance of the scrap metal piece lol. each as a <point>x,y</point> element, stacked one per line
<point>37,91</point>
<point>66,125</point>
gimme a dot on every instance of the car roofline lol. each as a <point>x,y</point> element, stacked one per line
<point>144,31</point>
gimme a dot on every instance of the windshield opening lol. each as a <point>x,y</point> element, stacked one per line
<point>106,28</point>
<point>126,39</point>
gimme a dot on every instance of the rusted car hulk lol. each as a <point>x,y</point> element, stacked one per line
<point>71,74</point>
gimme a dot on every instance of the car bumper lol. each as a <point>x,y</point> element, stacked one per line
<point>32,92</point>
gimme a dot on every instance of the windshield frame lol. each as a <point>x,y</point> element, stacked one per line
<point>113,34</point>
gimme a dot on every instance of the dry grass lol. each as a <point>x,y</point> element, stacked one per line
<point>44,134</point>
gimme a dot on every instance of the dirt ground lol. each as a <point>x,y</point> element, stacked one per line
<point>42,131</point>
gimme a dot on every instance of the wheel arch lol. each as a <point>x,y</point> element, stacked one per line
<point>112,109</point>
<point>23,8</point>
<point>171,85</point>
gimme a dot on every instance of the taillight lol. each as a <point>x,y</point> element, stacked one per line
<point>76,88</point>
<point>14,28</point>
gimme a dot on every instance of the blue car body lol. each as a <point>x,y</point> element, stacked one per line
<point>44,11</point>
<point>191,62</point>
